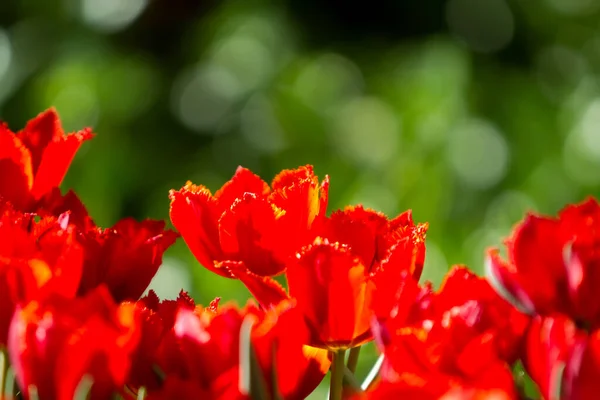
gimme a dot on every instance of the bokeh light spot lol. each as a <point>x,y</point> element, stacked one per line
<point>260,127</point>
<point>478,153</point>
<point>246,58</point>
<point>201,98</point>
<point>581,162</point>
<point>574,7</point>
<point>111,15</point>
<point>5,53</point>
<point>367,131</point>
<point>78,106</point>
<point>328,80</point>
<point>590,129</point>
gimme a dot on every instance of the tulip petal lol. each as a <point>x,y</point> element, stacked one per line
<point>249,231</point>
<point>16,178</point>
<point>265,290</point>
<point>333,292</point>
<point>125,257</point>
<point>361,229</point>
<point>298,193</point>
<point>55,203</point>
<point>549,346</point>
<point>243,181</point>
<point>506,282</point>
<point>193,212</point>
<point>55,343</point>
<point>582,370</point>
<point>55,161</point>
<point>537,252</point>
<point>39,133</point>
<point>393,283</point>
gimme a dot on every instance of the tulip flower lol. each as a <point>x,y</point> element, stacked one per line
<point>454,343</point>
<point>35,161</point>
<point>59,344</point>
<point>36,258</point>
<point>203,347</point>
<point>279,349</point>
<point>552,262</point>
<point>351,274</point>
<point>125,257</point>
<point>551,273</point>
<point>248,221</point>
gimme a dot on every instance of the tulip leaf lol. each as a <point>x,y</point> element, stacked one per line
<point>373,373</point>
<point>3,368</point>
<point>9,382</point>
<point>497,285</point>
<point>84,388</point>
<point>251,381</point>
<point>525,385</point>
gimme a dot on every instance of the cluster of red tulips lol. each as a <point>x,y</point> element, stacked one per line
<point>74,324</point>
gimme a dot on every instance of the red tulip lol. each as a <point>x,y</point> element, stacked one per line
<point>157,320</point>
<point>125,257</point>
<point>248,221</point>
<point>582,372</point>
<point>35,161</point>
<point>552,273</point>
<point>453,343</point>
<point>203,347</point>
<point>462,287</point>
<point>348,276</point>
<point>563,359</point>
<point>53,345</point>
<point>445,356</point>
<point>552,264</point>
<point>55,203</point>
<point>549,348</point>
<point>36,258</point>
<point>279,338</point>
<point>344,280</point>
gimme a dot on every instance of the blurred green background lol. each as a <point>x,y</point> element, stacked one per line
<point>469,112</point>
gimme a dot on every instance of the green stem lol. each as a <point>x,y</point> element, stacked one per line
<point>337,375</point>
<point>353,359</point>
<point>351,381</point>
